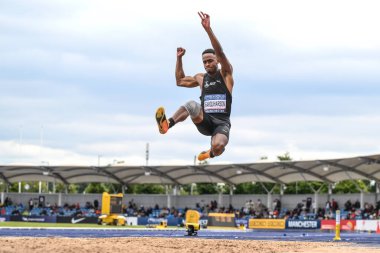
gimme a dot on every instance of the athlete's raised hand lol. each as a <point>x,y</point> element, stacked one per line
<point>180,51</point>
<point>205,20</point>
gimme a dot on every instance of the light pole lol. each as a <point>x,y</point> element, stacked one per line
<point>147,153</point>
<point>45,173</point>
<point>99,160</point>
<point>41,140</point>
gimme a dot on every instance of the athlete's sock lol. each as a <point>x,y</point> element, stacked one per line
<point>171,122</point>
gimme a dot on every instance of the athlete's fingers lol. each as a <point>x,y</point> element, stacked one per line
<point>200,14</point>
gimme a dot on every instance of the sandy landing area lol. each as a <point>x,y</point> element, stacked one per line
<point>171,245</point>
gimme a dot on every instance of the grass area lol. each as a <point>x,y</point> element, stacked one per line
<point>21,224</point>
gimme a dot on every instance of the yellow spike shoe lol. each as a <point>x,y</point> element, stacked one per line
<point>163,125</point>
<point>204,155</point>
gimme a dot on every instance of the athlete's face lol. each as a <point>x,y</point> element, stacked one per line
<point>210,63</point>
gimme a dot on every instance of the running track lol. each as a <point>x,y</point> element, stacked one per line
<point>369,239</point>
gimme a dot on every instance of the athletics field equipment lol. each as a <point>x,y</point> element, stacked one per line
<point>112,210</point>
<point>192,222</point>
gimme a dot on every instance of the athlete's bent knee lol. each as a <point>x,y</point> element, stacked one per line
<point>218,148</point>
<point>193,108</point>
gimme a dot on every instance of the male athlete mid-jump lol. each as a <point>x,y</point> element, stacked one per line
<point>212,116</point>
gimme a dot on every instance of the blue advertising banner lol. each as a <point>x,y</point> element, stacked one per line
<point>155,221</point>
<point>174,221</point>
<point>303,224</point>
<point>239,222</point>
<point>75,220</point>
<point>142,221</point>
<point>4,218</point>
<point>49,219</point>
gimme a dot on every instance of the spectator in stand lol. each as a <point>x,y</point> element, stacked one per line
<point>31,204</point>
<point>352,214</point>
<point>88,205</point>
<point>231,209</point>
<point>308,204</point>
<point>368,210</point>
<point>277,205</point>
<point>41,201</point>
<point>164,212</point>
<point>214,205</point>
<point>348,205</point>
<point>327,206</point>
<point>276,214</point>
<point>334,205</point>
<point>78,212</point>
<point>320,213</point>
<point>8,201</point>
<point>96,204</point>
<point>357,204</point>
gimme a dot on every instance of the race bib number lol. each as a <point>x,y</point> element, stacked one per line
<point>215,103</point>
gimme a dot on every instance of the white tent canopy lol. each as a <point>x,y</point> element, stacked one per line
<point>330,171</point>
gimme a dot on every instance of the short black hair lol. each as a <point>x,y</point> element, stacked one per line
<point>208,51</point>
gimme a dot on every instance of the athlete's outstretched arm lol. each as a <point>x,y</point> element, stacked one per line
<point>225,64</point>
<point>181,78</point>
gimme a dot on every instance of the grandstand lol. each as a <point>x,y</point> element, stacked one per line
<point>173,206</point>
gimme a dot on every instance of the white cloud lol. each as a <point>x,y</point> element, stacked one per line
<point>317,25</point>
<point>306,79</point>
<point>304,137</point>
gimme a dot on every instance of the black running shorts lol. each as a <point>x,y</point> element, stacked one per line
<point>211,126</point>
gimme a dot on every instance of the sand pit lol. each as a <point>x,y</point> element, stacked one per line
<point>171,245</point>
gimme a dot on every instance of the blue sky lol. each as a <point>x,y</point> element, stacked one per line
<point>82,79</point>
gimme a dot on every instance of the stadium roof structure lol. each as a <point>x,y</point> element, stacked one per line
<point>330,171</point>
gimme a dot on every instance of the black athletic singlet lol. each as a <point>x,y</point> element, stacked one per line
<point>216,99</point>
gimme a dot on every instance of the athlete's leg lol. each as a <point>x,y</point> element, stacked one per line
<point>219,141</point>
<point>218,144</point>
<point>192,109</point>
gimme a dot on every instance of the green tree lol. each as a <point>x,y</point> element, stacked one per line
<point>95,188</point>
<point>284,157</point>
<point>146,188</point>
<point>28,187</point>
<point>303,187</point>
<point>255,188</point>
<point>207,188</point>
<point>186,189</point>
<point>348,186</point>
